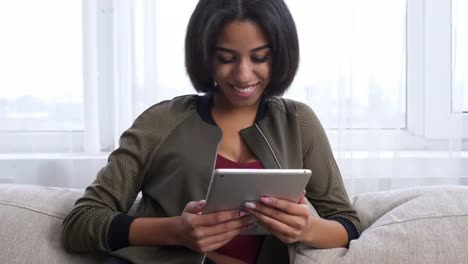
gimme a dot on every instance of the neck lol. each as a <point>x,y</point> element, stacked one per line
<point>225,110</point>
<point>221,105</point>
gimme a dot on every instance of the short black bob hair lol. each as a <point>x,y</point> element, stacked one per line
<point>209,18</point>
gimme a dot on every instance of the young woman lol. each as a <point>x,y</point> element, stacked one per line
<point>242,55</point>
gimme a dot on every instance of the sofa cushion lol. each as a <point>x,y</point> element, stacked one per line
<point>30,226</point>
<point>417,225</point>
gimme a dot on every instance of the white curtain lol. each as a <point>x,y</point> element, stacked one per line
<point>371,81</point>
<point>142,64</point>
<point>387,78</point>
<point>359,71</point>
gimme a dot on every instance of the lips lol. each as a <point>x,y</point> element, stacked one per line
<point>247,89</point>
<point>244,91</point>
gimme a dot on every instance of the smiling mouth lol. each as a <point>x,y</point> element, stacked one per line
<point>245,89</point>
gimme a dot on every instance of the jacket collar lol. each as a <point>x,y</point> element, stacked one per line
<point>205,102</point>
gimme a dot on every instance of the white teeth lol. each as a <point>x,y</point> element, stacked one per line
<point>245,90</point>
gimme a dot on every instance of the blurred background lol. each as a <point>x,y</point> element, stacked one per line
<point>387,78</point>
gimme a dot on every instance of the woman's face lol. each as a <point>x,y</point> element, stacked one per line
<point>242,64</point>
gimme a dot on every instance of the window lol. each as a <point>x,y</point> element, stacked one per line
<point>41,54</point>
<point>353,61</point>
<point>378,74</point>
<point>365,65</point>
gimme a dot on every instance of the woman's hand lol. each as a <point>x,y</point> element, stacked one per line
<point>205,233</point>
<point>286,220</point>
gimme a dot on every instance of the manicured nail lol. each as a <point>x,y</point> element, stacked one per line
<point>242,213</point>
<point>250,205</point>
<point>265,200</point>
<point>201,203</point>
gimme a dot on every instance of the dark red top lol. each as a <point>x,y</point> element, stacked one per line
<point>242,247</point>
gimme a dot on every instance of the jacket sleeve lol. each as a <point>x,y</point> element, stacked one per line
<point>113,192</point>
<point>325,190</point>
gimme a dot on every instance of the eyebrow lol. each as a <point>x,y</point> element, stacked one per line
<point>267,46</point>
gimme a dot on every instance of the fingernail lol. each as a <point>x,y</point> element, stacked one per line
<point>265,200</point>
<point>250,205</point>
<point>201,203</point>
<point>242,213</point>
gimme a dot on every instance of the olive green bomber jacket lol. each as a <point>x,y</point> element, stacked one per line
<point>169,155</point>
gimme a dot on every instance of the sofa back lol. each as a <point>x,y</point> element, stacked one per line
<point>30,224</point>
<point>417,225</point>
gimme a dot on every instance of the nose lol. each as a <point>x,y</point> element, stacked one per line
<point>243,72</point>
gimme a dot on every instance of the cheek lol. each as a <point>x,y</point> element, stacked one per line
<point>221,72</point>
<point>264,71</point>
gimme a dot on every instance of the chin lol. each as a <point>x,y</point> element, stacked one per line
<point>244,102</point>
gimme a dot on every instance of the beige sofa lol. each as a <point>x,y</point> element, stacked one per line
<point>418,225</point>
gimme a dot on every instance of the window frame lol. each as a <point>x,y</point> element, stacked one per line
<point>430,121</point>
<point>429,67</point>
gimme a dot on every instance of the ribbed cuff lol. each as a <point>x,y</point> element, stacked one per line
<point>119,230</point>
<point>349,226</point>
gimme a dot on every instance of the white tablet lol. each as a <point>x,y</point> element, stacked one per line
<point>229,189</point>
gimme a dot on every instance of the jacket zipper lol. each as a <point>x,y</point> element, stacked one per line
<point>214,166</point>
<point>269,146</point>
<point>279,166</point>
